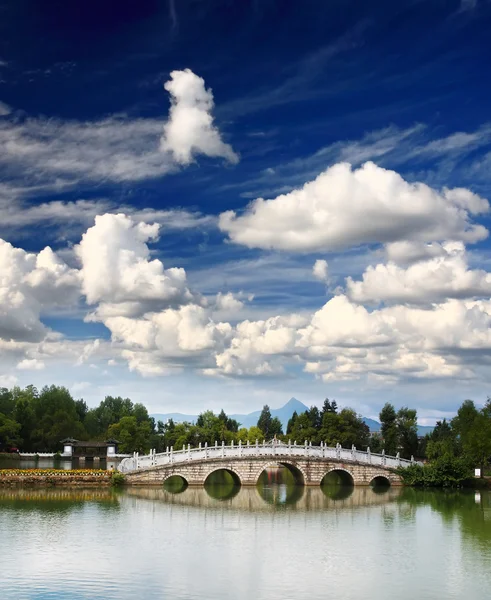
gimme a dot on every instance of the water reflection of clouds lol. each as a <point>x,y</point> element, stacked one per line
<point>190,546</point>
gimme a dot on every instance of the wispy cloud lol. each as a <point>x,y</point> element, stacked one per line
<point>117,149</point>
<point>70,217</point>
<point>391,146</point>
<point>297,84</point>
<point>4,109</point>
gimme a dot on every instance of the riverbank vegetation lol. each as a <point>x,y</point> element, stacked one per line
<point>37,421</point>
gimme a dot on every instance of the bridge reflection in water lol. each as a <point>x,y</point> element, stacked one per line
<point>276,489</point>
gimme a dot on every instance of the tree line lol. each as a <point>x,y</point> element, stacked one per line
<point>37,421</point>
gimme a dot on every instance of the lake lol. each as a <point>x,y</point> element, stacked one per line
<point>275,541</point>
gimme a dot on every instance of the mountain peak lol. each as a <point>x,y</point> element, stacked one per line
<point>296,404</point>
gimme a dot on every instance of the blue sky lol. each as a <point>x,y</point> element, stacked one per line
<point>362,275</point>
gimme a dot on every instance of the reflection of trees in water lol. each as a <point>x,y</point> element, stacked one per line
<point>57,499</point>
<point>337,491</point>
<point>222,485</point>
<point>468,509</point>
<point>380,485</point>
<point>337,485</point>
<point>278,486</point>
<point>175,484</point>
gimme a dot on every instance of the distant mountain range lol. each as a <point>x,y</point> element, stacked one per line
<point>284,414</point>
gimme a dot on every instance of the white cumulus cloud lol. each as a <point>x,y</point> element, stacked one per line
<point>343,208</point>
<point>32,285</point>
<point>31,365</point>
<point>117,271</point>
<point>320,270</point>
<point>190,129</point>
<point>427,281</point>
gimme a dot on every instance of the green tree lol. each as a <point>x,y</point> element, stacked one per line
<point>473,427</point>
<point>376,443</point>
<point>329,407</point>
<point>7,402</point>
<point>407,432</point>
<point>249,435</point>
<point>442,441</point>
<point>23,413</point>
<point>276,428</point>
<point>314,417</point>
<point>133,436</point>
<point>388,420</point>
<point>9,432</point>
<point>230,424</point>
<point>140,412</point>
<point>345,428</point>
<point>82,409</point>
<point>264,421</point>
<point>56,418</point>
<point>291,422</point>
<point>303,429</point>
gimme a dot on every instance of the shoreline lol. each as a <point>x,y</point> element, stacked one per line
<point>54,477</point>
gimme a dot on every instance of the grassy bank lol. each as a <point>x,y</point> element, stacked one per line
<point>56,477</point>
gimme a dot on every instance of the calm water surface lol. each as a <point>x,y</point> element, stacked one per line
<point>276,541</point>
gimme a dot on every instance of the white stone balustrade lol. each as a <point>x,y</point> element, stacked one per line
<point>269,449</point>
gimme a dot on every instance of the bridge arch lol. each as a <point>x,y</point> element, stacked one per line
<point>380,481</point>
<point>297,471</point>
<point>235,474</point>
<point>175,483</point>
<point>345,477</point>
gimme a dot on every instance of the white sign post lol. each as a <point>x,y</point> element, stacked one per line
<point>477,472</point>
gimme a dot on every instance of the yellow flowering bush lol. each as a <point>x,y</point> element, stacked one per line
<point>55,473</point>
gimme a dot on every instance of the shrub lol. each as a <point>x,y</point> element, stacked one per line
<point>446,471</point>
<point>117,479</point>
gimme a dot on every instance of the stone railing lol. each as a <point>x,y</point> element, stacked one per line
<point>269,450</point>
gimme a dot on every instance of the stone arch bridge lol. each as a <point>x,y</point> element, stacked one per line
<point>308,464</point>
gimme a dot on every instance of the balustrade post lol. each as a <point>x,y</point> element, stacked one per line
<point>137,461</point>
<point>289,447</point>
<point>184,447</point>
<point>338,451</point>
<point>199,446</point>
<point>353,452</point>
<point>223,448</point>
<point>206,449</point>
<point>383,457</point>
<point>369,455</point>
<point>216,445</point>
<point>412,459</point>
<point>257,447</point>
<point>398,457</point>
<point>240,447</point>
<point>189,451</point>
<point>172,454</point>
